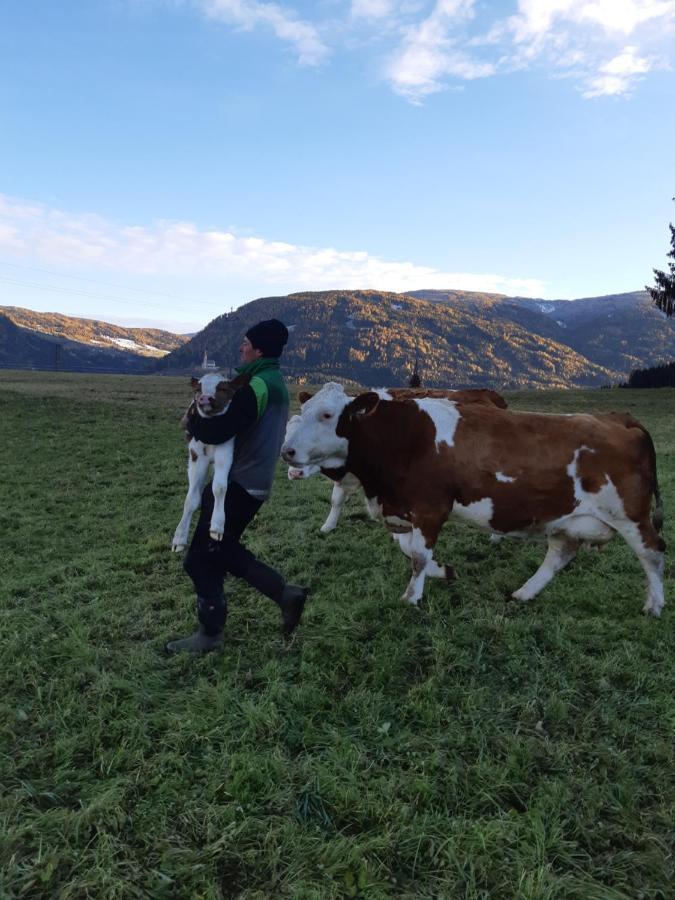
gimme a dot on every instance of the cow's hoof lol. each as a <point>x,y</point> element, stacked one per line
<point>327,530</point>
<point>650,610</point>
<point>449,573</point>
<point>522,598</point>
<point>216,535</point>
<point>177,548</point>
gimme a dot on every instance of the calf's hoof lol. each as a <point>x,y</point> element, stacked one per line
<point>216,535</point>
<point>177,548</point>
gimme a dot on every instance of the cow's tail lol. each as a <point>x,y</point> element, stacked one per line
<point>657,515</point>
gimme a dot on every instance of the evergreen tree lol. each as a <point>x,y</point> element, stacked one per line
<point>663,292</point>
<point>415,380</point>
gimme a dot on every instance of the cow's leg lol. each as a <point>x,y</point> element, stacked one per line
<point>420,555</point>
<point>649,547</point>
<point>197,470</point>
<point>222,462</point>
<point>433,569</point>
<point>561,551</point>
<point>653,563</point>
<point>337,500</point>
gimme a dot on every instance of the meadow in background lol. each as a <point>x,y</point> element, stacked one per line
<point>487,750</point>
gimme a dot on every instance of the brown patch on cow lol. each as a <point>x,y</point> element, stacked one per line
<point>591,471</point>
<point>336,474</point>
<point>303,397</point>
<point>193,454</point>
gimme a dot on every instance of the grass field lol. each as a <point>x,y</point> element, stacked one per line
<point>488,750</point>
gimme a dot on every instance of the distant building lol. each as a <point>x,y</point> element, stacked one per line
<point>415,380</point>
<point>208,363</point>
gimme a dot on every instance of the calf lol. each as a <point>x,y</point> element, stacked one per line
<point>211,397</point>
<point>569,478</point>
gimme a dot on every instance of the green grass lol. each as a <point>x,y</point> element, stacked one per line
<point>481,750</point>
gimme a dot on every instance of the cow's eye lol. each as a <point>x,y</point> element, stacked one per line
<point>327,415</point>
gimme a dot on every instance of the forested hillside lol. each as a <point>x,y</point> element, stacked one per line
<point>458,338</point>
<point>52,340</point>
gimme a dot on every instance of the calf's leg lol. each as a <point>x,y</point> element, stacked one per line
<point>198,466</point>
<point>222,463</point>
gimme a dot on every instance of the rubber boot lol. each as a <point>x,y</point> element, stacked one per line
<point>292,603</point>
<point>199,642</point>
<point>211,615</point>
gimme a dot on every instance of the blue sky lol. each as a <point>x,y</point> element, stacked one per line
<point>163,161</point>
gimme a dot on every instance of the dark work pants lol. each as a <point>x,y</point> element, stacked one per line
<point>207,562</point>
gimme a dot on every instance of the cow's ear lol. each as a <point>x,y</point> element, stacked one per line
<point>304,396</point>
<point>194,382</point>
<point>364,404</point>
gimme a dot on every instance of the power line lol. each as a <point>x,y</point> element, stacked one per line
<point>101,297</point>
<point>94,281</point>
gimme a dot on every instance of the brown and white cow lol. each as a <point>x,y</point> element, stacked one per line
<point>345,483</point>
<point>571,478</point>
<point>211,396</point>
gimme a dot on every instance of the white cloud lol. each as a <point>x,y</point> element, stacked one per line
<point>249,14</point>
<point>574,37</point>
<point>40,235</point>
<point>618,75</point>
<point>429,53</point>
<point>537,18</point>
<point>434,44</point>
<point>372,9</point>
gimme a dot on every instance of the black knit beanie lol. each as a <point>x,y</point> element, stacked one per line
<point>269,336</point>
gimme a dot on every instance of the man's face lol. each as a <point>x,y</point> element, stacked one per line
<point>248,353</point>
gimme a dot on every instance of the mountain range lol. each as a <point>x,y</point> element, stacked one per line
<point>31,339</point>
<point>456,338</point>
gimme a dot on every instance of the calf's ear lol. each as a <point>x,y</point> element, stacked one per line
<point>363,405</point>
<point>194,382</point>
<point>237,382</point>
<point>304,396</point>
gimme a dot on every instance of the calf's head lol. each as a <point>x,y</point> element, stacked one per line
<point>212,394</point>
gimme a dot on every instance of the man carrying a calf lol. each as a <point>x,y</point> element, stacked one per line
<point>256,417</point>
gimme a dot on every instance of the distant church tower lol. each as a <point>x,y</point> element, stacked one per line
<point>415,381</point>
<point>207,363</point>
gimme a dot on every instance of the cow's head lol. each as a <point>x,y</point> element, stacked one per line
<point>319,436</point>
<point>298,472</point>
<point>212,394</point>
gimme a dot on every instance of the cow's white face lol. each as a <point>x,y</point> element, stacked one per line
<point>310,437</point>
